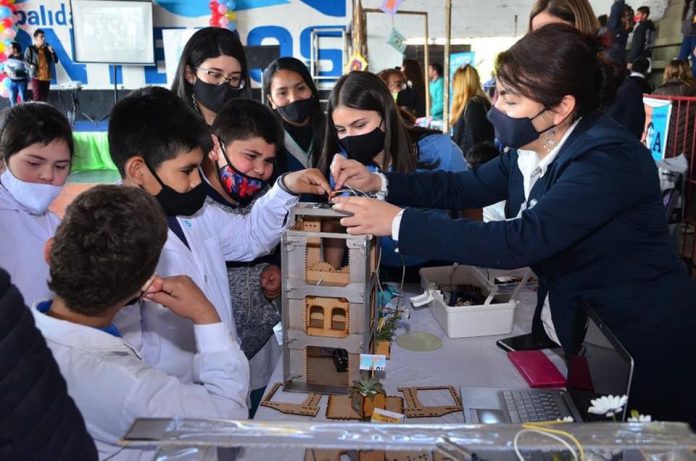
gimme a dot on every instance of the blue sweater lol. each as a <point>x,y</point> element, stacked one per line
<point>597,230</point>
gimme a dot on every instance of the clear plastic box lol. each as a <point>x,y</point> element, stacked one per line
<point>494,317</point>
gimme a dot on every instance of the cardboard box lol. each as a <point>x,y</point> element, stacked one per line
<point>494,317</point>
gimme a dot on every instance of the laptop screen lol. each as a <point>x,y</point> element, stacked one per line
<point>601,366</point>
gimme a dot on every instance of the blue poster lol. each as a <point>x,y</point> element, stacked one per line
<point>657,113</point>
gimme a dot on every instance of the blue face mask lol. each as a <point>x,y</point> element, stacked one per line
<point>514,132</point>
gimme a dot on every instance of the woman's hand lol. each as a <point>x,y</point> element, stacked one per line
<point>370,216</point>
<point>309,181</point>
<point>270,282</point>
<point>353,174</point>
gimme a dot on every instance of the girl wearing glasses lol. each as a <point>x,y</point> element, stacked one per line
<point>212,70</point>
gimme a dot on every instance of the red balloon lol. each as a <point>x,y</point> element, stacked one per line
<point>213,5</point>
<point>213,22</point>
<point>8,22</point>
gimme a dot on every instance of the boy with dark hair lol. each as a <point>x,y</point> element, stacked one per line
<point>158,143</point>
<point>102,259</point>
<point>639,73</point>
<point>643,39</point>
<point>436,87</point>
<point>247,136</point>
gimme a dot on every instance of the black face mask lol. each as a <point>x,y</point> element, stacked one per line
<point>177,203</point>
<point>364,147</point>
<point>297,111</point>
<point>214,96</point>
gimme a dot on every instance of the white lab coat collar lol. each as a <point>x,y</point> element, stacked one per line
<point>80,337</point>
<point>637,74</point>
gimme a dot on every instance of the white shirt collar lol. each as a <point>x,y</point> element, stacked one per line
<point>532,167</point>
<point>637,74</point>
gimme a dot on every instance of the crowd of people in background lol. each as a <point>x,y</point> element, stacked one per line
<point>165,289</point>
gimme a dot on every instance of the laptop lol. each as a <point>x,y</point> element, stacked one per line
<point>601,366</point>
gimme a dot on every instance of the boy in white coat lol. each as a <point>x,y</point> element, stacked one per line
<point>102,257</point>
<point>158,143</point>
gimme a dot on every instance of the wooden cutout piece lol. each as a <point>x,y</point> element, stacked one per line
<point>415,409</point>
<point>310,407</point>
<point>339,407</point>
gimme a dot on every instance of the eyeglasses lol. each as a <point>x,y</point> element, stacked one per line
<point>217,78</point>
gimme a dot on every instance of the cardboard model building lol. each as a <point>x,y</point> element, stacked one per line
<point>329,313</point>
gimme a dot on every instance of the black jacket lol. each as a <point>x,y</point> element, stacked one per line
<point>472,127</point>
<point>38,420</point>
<point>643,40</point>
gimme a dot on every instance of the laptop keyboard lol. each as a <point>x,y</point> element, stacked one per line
<point>532,406</point>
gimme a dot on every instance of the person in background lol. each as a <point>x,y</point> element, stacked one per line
<point>364,124</point>
<point>396,82</point>
<point>677,80</point>
<point>102,259</point>
<point>688,46</point>
<point>469,107</point>
<point>617,27</point>
<point>437,88</point>
<point>590,216</point>
<point>639,74</point>
<point>247,138</point>
<point>38,419</point>
<point>16,71</point>
<point>627,108</point>
<point>643,39</point>
<point>40,58</point>
<point>413,98</point>
<point>211,71</point>
<point>290,91</point>
<point>36,147</point>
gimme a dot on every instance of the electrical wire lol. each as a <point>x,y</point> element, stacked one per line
<point>543,426</point>
<point>543,432</point>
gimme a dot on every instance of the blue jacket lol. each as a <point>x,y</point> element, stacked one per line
<point>38,419</point>
<point>595,227</point>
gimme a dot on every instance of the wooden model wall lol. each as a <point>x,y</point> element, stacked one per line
<point>325,308</point>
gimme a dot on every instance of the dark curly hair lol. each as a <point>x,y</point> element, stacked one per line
<point>106,247</point>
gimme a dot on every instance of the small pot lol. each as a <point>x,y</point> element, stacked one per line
<point>383,347</point>
<point>365,405</point>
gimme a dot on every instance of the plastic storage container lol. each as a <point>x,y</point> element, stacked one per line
<point>494,317</point>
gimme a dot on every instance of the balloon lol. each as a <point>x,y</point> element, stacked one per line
<point>4,93</point>
<point>222,9</point>
<point>223,21</point>
<point>232,25</point>
<point>10,33</point>
<point>7,82</point>
<point>8,22</point>
<point>213,5</point>
<point>231,5</point>
<point>213,22</point>
<point>231,15</point>
<point>5,12</point>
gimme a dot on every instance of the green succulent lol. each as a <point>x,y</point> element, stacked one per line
<point>368,387</point>
<point>387,326</point>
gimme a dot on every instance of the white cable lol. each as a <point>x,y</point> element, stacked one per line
<point>546,434</point>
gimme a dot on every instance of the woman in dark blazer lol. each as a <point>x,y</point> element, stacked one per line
<point>587,215</point>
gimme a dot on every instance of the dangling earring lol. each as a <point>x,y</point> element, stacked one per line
<point>194,100</point>
<point>549,141</point>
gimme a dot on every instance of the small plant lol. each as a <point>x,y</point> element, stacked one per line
<point>368,387</point>
<point>386,326</point>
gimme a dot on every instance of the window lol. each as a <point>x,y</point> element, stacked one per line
<point>316,317</point>
<point>338,319</point>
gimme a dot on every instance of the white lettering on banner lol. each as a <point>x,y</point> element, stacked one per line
<point>260,22</point>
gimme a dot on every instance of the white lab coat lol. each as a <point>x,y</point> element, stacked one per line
<point>22,239</point>
<point>214,236</point>
<point>112,386</point>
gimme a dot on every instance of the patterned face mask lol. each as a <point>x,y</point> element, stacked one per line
<point>241,187</point>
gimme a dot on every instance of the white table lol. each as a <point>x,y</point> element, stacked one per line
<point>460,362</point>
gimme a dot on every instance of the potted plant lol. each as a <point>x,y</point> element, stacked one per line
<point>386,327</point>
<point>366,395</point>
